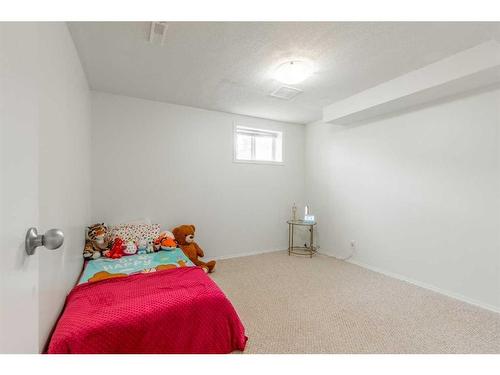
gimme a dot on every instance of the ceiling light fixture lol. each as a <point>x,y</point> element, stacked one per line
<point>158,28</point>
<point>292,72</point>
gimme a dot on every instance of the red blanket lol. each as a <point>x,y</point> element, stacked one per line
<point>173,311</point>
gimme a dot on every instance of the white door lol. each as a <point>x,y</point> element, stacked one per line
<point>18,187</point>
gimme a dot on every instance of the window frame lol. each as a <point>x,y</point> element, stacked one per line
<point>279,134</point>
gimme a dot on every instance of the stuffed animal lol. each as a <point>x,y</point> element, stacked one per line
<point>116,250</point>
<point>165,241</point>
<point>130,248</point>
<point>142,246</point>
<point>184,235</point>
<point>96,243</point>
<point>150,248</point>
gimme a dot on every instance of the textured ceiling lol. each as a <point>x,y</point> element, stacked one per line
<point>226,66</point>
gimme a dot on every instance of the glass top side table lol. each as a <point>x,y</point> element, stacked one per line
<point>301,250</point>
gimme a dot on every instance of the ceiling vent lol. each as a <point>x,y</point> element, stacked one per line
<point>158,32</point>
<point>285,93</point>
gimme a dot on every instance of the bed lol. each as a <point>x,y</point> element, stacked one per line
<point>150,303</point>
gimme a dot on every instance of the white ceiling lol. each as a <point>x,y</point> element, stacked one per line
<point>226,66</point>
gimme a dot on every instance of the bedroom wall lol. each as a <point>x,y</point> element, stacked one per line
<point>64,167</point>
<point>174,164</point>
<point>418,192</point>
<point>18,187</point>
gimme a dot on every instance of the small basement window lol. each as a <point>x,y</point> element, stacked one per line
<point>258,145</point>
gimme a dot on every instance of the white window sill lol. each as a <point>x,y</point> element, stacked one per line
<point>277,163</point>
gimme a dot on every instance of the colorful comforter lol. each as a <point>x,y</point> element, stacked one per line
<point>179,310</point>
<point>105,268</point>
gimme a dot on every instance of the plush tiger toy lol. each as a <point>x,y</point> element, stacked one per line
<point>96,242</point>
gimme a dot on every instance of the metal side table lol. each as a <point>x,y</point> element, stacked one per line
<point>301,250</point>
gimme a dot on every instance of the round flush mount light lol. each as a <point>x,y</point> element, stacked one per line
<point>293,71</point>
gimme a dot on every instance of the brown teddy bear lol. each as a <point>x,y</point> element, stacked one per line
<point>184,235</point>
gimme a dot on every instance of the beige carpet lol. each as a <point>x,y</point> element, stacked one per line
<point>323,305</point>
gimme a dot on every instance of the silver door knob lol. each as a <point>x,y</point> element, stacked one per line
<point>52,239</point>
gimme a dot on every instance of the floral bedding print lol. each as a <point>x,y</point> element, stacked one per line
<point>134,232</point>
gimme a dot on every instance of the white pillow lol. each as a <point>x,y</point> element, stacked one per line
<point>133,232</point>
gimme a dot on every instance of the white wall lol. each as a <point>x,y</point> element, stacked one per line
<point>175,165</point>
<point>64,167</point>
<point>418,192</point>
<point>18,187</point>
<point>45,136</point>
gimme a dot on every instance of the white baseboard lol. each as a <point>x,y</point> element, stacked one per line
<point>240,255</point>
<point>425,285</point>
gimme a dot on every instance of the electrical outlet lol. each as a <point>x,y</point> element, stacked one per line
<point>353,245</point>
